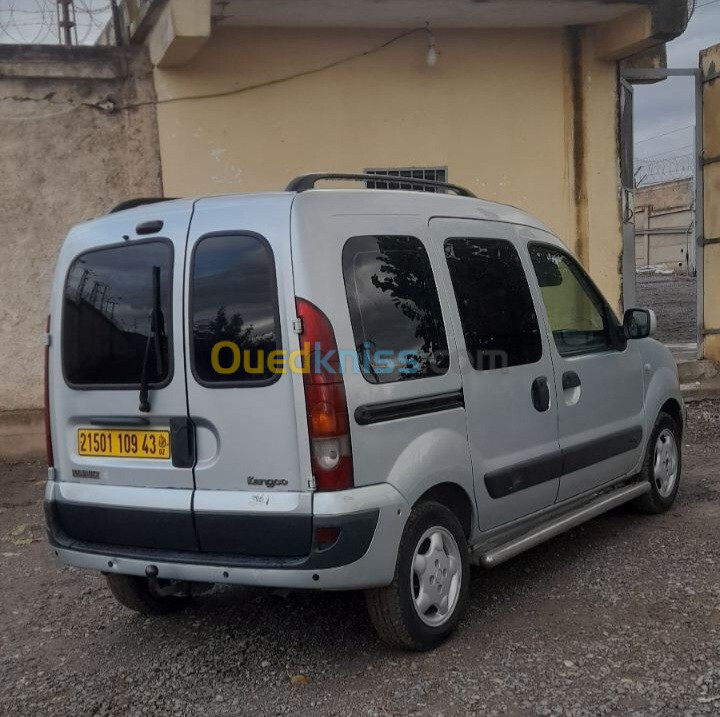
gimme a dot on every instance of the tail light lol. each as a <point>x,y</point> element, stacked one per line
<point>325,402</point>
<point>48,440</point>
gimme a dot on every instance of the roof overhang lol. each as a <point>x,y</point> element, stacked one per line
<point>413,13</point>
<point>178,28</point>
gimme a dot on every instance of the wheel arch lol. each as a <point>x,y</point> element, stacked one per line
<point>662,394</point>
<point>674,410</point>
<point>455,498</point>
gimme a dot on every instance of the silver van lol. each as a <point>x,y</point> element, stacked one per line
<point>340,389</point>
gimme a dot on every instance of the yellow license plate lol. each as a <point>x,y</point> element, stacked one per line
<point>123,444</point>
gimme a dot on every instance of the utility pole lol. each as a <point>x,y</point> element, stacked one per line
<point>117,23</point>
<point>66,20</point>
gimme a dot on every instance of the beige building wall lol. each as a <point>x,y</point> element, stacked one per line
<point>501,110</point>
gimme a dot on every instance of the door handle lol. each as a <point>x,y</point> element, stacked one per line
<point>182,442</point>
<point>570,380</point>
<point>540,393</point>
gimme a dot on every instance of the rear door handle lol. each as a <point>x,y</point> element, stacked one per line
<point>182,442</point>
<point>570,380</point>
<point>540,393</point>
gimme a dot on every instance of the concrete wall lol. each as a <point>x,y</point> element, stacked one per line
<point>527,117</point>
<point>67,154</point>
<point>664,225</point>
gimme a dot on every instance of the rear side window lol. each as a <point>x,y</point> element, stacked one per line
<point>108,307</point>
<point>235,324</point>
<point>494,301</point>
<point>394,308</point>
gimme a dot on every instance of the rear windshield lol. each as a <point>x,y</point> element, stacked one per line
<point>235,323</point>
<point>107,315</point>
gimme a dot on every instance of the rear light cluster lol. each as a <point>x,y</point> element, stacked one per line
<point>48,440</point>
<point>325,402</point>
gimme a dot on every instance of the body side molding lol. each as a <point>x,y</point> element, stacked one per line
<point>557,464</point>
<point>406,408</point>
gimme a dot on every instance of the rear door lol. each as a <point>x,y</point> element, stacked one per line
<point>507,372</point>
<point>252,495</point>
<point>123,477</point>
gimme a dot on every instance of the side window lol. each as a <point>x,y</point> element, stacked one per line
<point>394,308</point>
<point>109,301</point>
<point>494,301</point>
<point>577,313</point>
<point>234,318</point>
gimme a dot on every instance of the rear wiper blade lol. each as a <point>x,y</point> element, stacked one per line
<point>156,330</point>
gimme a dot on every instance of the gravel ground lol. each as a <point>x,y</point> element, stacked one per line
<point>674,299</point>
<point>618,617</point>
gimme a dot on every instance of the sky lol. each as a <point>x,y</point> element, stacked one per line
<point>665,112</point>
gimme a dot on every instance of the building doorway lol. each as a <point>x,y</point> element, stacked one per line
<point>663,212</point>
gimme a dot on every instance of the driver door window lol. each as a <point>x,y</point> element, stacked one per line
<point>579,319</point>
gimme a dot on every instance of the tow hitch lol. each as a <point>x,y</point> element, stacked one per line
<point>167,588</point>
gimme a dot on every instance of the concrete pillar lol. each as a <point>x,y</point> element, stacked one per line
<point>710,65</point>
<point>181,30</point>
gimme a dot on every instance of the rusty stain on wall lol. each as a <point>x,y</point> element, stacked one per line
<point>580,194</point>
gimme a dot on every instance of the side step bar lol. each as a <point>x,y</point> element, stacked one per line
<point>560,525</point>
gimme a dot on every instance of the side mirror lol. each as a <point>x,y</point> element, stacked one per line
<point>639,323</point>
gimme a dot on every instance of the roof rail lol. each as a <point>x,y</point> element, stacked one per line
<point>138,202</point>
<point>308,181</point>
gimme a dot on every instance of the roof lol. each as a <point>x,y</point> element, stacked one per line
<point>395,202</point>
<point>364,201</point>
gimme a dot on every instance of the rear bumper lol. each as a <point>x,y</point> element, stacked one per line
<point>370,522</point>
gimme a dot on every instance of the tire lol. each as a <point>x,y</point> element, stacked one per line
<point>134,593</point>
<point>662,466</point>
<point>392,609</point>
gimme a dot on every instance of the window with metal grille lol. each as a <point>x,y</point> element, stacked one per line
<point>436,174</point>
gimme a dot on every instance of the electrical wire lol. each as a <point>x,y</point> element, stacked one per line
<point>84,10</point>
<point>681,150</point>
<point>236,90</point>
<point>279,80</point>
<point>665,134</point>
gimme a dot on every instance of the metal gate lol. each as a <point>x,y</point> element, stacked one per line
<point>627,181</point>
<point>629,76</point>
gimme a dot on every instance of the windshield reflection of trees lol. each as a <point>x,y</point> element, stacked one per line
<point>407,278</point>
<point>255,347</point>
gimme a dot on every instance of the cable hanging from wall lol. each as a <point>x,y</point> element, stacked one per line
<point>110,106</point>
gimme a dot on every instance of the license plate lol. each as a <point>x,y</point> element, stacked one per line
<point>123,444</point>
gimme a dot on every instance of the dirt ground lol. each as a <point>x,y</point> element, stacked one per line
<point>618,617</point>
<point>674,299</point>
